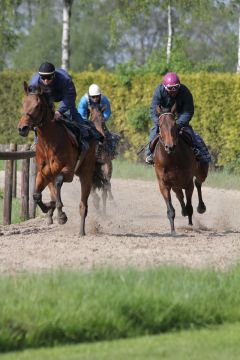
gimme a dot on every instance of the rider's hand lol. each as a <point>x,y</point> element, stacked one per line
<point>57,116</point>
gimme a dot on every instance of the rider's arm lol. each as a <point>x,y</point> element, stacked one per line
<point>107,108</point>
<point>156,99</point>
<point>69,96</point>
<point>187,111</point>
<point>34,80</point>
<point>83,108</point>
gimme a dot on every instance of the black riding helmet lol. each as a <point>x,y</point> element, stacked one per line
<point>46,68</point>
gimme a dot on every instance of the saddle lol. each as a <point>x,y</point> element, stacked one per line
<point>81,133</point>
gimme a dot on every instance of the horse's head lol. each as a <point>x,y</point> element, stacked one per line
<point>96,116</point>
<point>168,129</point>
<point>35,109</point>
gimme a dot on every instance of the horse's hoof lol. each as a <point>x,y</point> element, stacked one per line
<point>201,209</point>
<point>62,219</point>
<point>82,233</point>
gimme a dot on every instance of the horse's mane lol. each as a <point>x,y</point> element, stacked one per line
<point>38,90</point>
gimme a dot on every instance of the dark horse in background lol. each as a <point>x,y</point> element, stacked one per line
<point>176,167</point>
<point>58,156</point>
<point>102,177</point>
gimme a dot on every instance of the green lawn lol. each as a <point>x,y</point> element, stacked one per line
<point>219,343</point>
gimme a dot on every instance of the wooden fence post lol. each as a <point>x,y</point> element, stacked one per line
<point>32,181</point>
<point>25,187</point>
<point>13,147</point>
<point>8,184</point>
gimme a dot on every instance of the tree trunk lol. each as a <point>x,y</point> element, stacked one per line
<point>170,32</point>
<point>238,63</point>
<point>67,5</point>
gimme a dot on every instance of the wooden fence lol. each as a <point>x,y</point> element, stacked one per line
<point>11,154</point>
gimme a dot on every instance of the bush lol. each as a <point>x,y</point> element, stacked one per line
<point>138,117</point>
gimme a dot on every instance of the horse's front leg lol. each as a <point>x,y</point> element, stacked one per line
<point>41,183</point>
<point>52,203</point>
<point>189,208</point>
<point>170,209</point>
<point>61,216</point>
<point>180,197</point>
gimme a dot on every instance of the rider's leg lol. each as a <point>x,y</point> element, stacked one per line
<point>194,144</point>
<point>149,155</point>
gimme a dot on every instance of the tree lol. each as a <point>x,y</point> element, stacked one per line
<point>8,26</point>
<point>67,5</point>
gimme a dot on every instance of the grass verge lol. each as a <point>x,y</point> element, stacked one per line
<point>70,307</point>
<point>128,170</point>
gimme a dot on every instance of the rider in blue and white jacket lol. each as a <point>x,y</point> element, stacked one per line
<point>94,97</point>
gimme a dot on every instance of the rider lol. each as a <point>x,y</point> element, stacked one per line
<point>95,98</point>
<point>58,86</point>
<point>165,95</point>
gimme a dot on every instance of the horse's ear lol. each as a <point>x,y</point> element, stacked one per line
<point>174,108</point>
<point>158,109</point>
<point>25,87</point>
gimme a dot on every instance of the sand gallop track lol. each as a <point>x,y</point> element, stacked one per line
<point>136,232</point>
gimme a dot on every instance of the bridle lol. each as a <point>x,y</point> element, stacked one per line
<point>38,122</point>
<point>99,113</point>
<point>160,135</point>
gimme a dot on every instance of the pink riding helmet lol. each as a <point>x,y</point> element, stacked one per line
<point>171,82</point>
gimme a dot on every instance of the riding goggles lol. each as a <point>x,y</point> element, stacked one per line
<point>172,87</point>
<point>47,77</point>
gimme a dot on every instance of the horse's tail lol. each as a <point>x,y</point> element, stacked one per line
<point>99,180</point>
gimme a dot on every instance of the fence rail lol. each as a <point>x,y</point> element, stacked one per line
<point>11,153</point>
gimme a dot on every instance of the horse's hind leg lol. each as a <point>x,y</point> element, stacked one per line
<point>189,208</point>
<point>61,216</point>
<point>96,198</point>
<point>200,178</point>
<point>201,208</point>
<point>180,197</point>
<point>104,199</point>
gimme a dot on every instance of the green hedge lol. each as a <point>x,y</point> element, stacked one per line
<point>216,118</point>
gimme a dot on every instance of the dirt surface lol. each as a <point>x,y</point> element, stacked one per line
<point>136,232</point>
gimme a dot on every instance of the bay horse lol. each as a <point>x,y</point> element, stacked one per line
<point>103,161</point>
<point>57,156</point>
<point>176,167</point>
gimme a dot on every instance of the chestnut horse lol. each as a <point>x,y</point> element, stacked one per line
<point>57,156</point>
<point>103,162</point>
<point>175,167</point>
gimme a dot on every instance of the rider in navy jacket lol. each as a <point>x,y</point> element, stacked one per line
<point>59,87</point>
